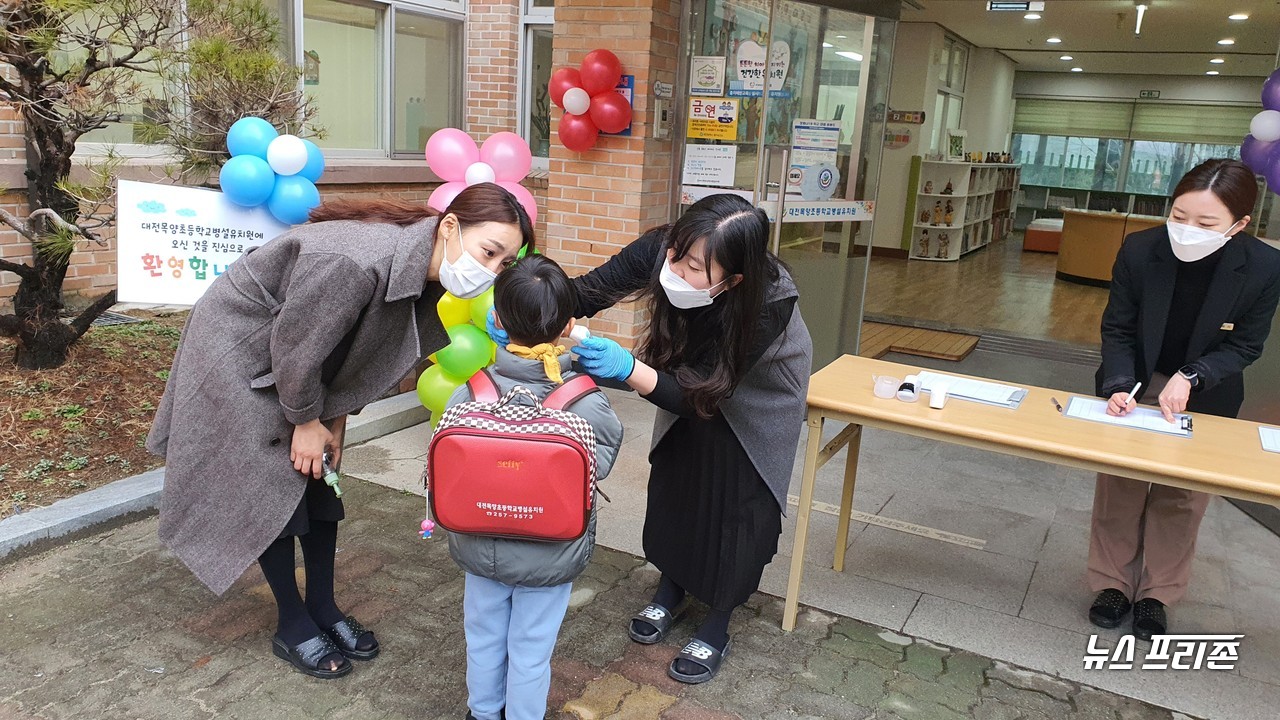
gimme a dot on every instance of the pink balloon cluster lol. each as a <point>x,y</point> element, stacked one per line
<point>503,159</point>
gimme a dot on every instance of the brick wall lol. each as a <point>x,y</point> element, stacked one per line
<point>493,48</point>
<point>601,200</point>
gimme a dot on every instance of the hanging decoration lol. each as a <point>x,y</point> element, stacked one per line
<point>267,167</point>
<point>590,101</point>
<point>504,159</point>
<point>1261,147</point>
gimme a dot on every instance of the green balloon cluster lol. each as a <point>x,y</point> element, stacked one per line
<point>469,350</point>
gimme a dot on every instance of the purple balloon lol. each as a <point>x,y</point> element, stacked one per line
<point>1271,92</point>
<point>1273,174</point>
<point>1257,154</point>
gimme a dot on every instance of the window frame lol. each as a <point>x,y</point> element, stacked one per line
<point>531,19</point>
<point>951,91</point>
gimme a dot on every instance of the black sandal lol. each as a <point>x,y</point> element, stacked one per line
<point>659,617</point>
<point>305,657</point>
<point>1149,618</point>
<point>346,635</point>
<point>702,654</point>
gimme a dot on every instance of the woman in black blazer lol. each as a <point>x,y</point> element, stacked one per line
<point>1191,305</point>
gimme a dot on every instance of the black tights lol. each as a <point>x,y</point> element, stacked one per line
<point>298,621</point>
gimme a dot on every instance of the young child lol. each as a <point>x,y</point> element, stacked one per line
<point>517,591</point>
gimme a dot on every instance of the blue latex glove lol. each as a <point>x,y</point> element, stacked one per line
<point>496,334</point>
<point>605,358</point>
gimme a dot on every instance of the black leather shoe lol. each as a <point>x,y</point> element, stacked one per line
<point>1149,618</point>
<point>1109,608</point>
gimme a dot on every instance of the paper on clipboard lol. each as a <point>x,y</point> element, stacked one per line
<point>1143,418</point>
<point>1270,439</point>
<point>977,390</point>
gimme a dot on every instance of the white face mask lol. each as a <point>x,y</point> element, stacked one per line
<point>681,293</point>
<point>1191,243</point>
<point>466,278</point>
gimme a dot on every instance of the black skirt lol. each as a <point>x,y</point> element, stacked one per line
<point>317,503</point>
<point>712,523</point>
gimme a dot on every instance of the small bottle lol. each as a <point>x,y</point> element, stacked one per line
<point>331,476</point>
<point>909,390</point>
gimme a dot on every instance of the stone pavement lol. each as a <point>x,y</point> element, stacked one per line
<point>112,626</point>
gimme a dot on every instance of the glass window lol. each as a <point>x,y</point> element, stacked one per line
<point>939,114</point>
<point>424,101</point>
<point>142,92</point>
<point>539,100</point>
<point>1072,162</point>
<point>959,66</point>
<point>343,71</point>
<point>1155,167</point>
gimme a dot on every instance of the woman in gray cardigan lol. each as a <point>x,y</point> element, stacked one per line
<point>297,334</point>
<point>726,358</point>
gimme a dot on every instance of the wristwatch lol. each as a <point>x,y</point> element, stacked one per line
<point>1190,374</point>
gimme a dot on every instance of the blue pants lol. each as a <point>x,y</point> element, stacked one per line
<point>511,632</point>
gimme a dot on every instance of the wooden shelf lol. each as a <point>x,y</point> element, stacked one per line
<point>988,184</point>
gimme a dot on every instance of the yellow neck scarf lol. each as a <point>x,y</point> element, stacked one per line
<point>546,352</point>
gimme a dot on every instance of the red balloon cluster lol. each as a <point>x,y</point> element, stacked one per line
<point>591,104</point>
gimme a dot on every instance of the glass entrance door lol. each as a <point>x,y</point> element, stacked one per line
<point>786,108</point>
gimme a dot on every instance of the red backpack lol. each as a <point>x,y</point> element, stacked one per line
<point>503,469</point>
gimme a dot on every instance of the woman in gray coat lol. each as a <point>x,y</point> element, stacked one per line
<point>296,335</point>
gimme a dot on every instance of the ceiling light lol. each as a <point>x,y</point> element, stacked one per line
<point>1142,11</point>
<point>841,37</point>
<point>1054,40</point>
<point>1226,41</point>
<point>1217,61</point>
<point>826,44</point>
<point>1212,72</point>
<point>1238,16</point>
<point>1031,16</point>
<point>1066,57</point>
<point>1077,69</point>
<point>850,55</point>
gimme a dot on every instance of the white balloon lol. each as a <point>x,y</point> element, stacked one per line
<point>576,101</point>
<point>1266,126</point>
<point>287,155</point>
<point>480,172</point>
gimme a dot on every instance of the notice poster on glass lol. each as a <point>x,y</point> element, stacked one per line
<point>713,119</point>
<point>710,165</point>
<point>706,75</point>
<point>172,241</point>
<point>815,147</point>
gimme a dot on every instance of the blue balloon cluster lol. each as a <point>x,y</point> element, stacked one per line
<point>267,167</point>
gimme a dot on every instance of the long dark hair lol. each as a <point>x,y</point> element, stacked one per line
<point>534,300</point>
<point>480,203</point>
<point>736,238</point>
<point>1231,181</point>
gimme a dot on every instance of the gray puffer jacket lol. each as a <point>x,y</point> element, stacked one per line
<point>531,563</point>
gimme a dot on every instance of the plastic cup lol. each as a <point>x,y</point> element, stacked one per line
<point>886,387</point>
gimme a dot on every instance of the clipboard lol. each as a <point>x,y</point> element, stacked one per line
<point>979,391</point>
<point>1140,418</point>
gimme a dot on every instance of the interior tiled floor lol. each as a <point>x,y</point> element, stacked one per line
<point>998,289</point>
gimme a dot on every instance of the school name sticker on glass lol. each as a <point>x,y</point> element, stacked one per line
<point>173,241</point>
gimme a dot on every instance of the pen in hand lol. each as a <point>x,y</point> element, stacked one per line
<point>1129,397</point>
